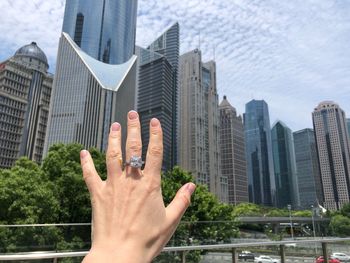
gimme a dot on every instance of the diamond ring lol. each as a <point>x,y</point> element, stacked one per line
<point>135,162</point>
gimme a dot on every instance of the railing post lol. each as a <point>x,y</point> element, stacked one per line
<point>234,255</point>
<point>325,252</point>
<point>282,254</point>
<point>55,260</point>
<point>183,256</point>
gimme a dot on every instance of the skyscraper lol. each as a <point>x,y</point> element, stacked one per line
<point>95,81</point>
<point>348,126</point>
<point>232,150</point>
<point>287,192</point>
<point>333,150</point>
<point>199,122</point>
<point>158,90</point>
<point>261,178</point>
<point>308,170</point>
<point>105,29</point>
<point>25,93</point>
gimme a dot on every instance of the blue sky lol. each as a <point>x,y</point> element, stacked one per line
<point>293,54</point>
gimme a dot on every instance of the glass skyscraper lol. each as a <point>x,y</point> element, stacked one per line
<point>95,80</point>
<point>103,29</point>
<point>261,178</point>
<point>285,167</point>
<point>308,169</point>
<point>158,90</point>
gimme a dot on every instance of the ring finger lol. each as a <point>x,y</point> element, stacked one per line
<point>133,140</point>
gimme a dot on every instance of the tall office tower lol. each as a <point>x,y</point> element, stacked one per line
<point>232,146</point>
<point>25,92</point>
<point>158,90</point>
<point>333,150</point>
<point>199,122</point>
<point>348,126</point>
<point>287,192</point>
<point>308,170</point>
<point>105,29</point>
<point>261,177</point>
<point>95,81</point>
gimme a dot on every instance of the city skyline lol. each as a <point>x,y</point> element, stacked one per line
<point>284,53</point>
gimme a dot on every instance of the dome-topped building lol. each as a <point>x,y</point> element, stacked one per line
<point>25,93</point>
<point>32,56</point>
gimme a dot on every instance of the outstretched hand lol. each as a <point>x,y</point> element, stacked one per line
<point>130,221</point>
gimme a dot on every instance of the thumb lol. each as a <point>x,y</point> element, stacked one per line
<point>181,201</point>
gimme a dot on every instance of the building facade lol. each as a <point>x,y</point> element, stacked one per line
<point>95,80</point>
<point>333,150</point>
<point>232,150</point>
<point>25,93</point>
<point>308,170</point>
<point>261,178</point>
<point>286,179</point>
<point>158,91</point>
<point>199,122</point>
<point>105,29</point>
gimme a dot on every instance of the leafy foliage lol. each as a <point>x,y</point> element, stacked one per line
<point>340,225</point>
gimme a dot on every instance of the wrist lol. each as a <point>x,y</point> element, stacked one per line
<point>118,255</point>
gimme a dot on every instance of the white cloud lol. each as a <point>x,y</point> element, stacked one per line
<point>293,54</point>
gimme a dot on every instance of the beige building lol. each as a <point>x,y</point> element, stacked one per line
<point>233,159</point>
<point>199,150</point>
<point>333,149</point>
<point>25,92</point>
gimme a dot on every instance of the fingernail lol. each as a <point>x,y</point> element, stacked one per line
<point>133,115</point>
<point>83,154</point>
<point>115,126</point>
<point>154,122</point>
<point>190,188</point>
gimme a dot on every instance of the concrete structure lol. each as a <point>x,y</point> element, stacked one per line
<point>199,122</point>
<point>158,91</point>
<point>25,93</point>
<point>333,150</point>
<point>232,150</point>
<point>348,126</point>
<point>287,192</point>
<point>95,81</point>
<point>261,177</point>
<point>308,170</point>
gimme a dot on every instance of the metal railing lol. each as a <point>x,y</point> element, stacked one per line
<point>185,249</point>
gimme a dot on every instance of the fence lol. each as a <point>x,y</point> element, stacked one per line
<point>183,250</point>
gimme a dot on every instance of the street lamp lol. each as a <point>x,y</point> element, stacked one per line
<point>290,220</point>
<point>313,221</point>
<point>313,225</point>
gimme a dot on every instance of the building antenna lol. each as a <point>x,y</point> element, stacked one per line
<point>214,50</point>
<point>199,40</point>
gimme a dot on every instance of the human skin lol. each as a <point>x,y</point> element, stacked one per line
<point>130,221</point>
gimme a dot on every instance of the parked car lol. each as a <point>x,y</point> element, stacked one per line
<point>340,256</point>
<point>330,260</point>
<point>266,259</point>
<point>246,255</point>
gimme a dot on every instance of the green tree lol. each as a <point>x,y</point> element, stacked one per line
<point>247,209</point>
<point>27,197</point>
<point>205,221</point>
<point>340,225</point>
<point>62,167</point>
<point>345,211</point>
